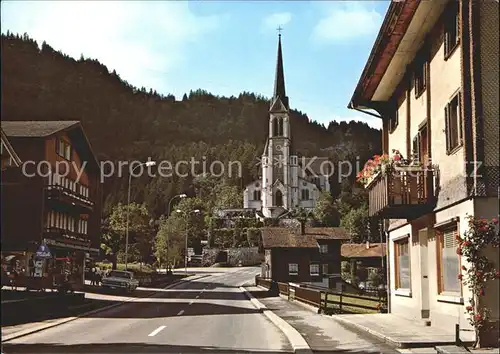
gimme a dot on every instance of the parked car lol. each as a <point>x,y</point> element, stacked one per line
<point>120,279</point>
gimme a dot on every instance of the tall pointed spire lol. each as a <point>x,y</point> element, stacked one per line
<point>279,80</point>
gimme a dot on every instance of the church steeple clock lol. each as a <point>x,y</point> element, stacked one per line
<point>277,177</point>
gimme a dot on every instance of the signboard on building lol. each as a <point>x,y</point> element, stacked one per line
<point>43,252</point>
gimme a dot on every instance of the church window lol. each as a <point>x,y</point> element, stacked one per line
<point>278,198</point>
<point>277,126</point>
<point>256,195</point>
<point>305,194</point>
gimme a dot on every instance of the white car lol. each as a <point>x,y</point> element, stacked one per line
<point>120,279</point>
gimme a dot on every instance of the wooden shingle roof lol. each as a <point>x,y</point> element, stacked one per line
<point>35,129</point>
<point>362,250</point>
<point>284,237</point>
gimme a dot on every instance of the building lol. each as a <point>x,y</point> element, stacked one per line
<point>303,255</point>
<point>371,256</point>
<point>54,198</point>
<point>9,156</point>
<point>287,182</point>
<point>432,77</point>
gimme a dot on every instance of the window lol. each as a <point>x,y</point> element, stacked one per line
<point>324,269</point>
<point>453,123</point>
<point>394,120</point>
<point>420,76</point>
<point>305,194</point>
<point>448,261</point>
<point>63,149</point>
<point>402,263</point>
<point>293,268</point>
<point>451,29</point>
<point>323,248</point>
<point>293,160</point>
<point>256,195</point>
<point>314,269</point>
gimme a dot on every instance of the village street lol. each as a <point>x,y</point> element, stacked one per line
<point>209,314</point>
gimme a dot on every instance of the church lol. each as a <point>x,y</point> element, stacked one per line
<point>287,182</point>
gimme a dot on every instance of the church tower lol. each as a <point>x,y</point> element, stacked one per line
<point>279,164</point>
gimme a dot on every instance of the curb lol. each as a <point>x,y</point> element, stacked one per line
<point>296,340</point>
<point>40,328</point>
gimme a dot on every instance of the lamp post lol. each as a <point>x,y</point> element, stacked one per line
<point>147,164</point>
<point>196,211</point>
<point>182,196</point>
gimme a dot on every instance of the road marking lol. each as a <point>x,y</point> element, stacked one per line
<point>156,331</point>
<point>191,302</point>
<point>180,312</point>
<point>197,296</point>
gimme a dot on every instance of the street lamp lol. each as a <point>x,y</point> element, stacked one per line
<point>182,196</point>
<point>147,164</point>
<point>196,211</point>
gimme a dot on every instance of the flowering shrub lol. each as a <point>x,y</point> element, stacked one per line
<point>379,163</point>
<point>481,234</point>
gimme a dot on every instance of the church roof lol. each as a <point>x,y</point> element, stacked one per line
<point>279,80</point>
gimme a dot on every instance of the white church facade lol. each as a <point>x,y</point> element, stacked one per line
<point>287,182</point>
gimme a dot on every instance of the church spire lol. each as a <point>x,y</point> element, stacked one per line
<point>279,80</point>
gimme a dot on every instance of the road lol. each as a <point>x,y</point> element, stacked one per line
<point>210,314</point>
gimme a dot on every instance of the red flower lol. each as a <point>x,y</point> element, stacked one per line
<point>463,268</point>
<point>494,221</point>
<point>460,276</point>
<point>478,274</point>
<point>466,243</point>
<point>396,157</point>
<point>481,292</point>
<point>459,251</point>
<point>498,274</point>
<point>469,308</point>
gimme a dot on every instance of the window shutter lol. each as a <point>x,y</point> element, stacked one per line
<point>416,148</point>
<point>459,117</point>
<point>447,127</point>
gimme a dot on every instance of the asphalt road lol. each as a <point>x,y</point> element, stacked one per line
<point>210,314</point>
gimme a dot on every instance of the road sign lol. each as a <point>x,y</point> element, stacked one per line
<point>43,252</point>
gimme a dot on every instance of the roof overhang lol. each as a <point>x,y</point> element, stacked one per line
<point>403,32</point>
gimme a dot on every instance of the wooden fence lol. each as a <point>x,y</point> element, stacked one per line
<point>328,301</point>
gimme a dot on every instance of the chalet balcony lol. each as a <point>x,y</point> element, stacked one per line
<point>405,192</point>
<point>66,237</point>
<point>68,196</point>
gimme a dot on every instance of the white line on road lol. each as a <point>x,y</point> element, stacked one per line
<point>180,312</point>
<point>156,331</point>
<point>191,302</point>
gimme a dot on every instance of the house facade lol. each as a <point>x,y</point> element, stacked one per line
<point>53,199</point>
<point>371,256</point>
<point>432,77</point>
<point>303,255</point>
<point>287,181</point>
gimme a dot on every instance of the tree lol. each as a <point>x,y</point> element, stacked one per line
<point>361,227</point>
<point>325,212</point>
<point>169,241</point>
<point>228,197</point>
<point>140,230</point>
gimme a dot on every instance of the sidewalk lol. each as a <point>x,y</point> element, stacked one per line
<point>402,332</point>
<point>320,332</point>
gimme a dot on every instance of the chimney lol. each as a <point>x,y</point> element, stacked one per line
<point>367,245</point>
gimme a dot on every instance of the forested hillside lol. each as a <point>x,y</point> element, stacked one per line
<point>127,123</point>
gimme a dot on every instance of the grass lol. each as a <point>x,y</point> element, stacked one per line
<point>346,301</point>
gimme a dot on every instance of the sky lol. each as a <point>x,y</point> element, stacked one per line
<point>224,47</point>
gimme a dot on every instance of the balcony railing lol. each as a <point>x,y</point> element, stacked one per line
<point>57,192</point>
<point>67,236</point>
<point>402,193</point>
